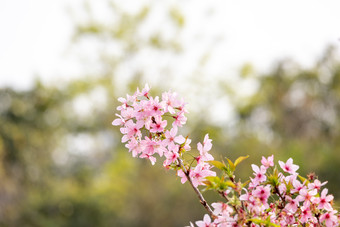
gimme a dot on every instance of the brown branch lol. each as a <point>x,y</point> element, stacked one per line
<point>276,190</point>
<point>199,194</point>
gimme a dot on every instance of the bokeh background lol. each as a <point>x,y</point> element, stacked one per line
<point>261,77</point>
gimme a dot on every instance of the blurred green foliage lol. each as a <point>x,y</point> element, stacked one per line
<point>62,163</point>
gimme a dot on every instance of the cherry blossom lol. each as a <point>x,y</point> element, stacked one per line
<point>180,119</point>
<point>222,209</point>
<point>267,162</point>
<point>203,149</point>
<point>171,101</point>
<point>171,139</point>
<point>259,173</point>
<point>205,223</point>
<point>324,200</point>
<point>289,167</point>
<point>306,195</point>
<point>298,186</point>
<point>199,173</point>
<point>306,215</point>
<point>131,130</point>
<point>181,174</point>
<point>158,125</point>
<point>330,218</point>
<point>316,185</point>
<point>292,205</point>
<point>171,157</point>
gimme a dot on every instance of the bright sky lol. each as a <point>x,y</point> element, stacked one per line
<point>35,35</point>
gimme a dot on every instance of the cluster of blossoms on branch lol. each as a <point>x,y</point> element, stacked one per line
<point>270,198</point>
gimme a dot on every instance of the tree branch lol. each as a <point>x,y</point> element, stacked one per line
<point>199,194</point>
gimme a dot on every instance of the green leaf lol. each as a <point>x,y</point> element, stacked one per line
<point>275,172</point>
<point>209,185</point>
<point>303,179</point>
<point>263,222</point>
<point>218,165</point>
<point>213,183</point>
<point>240,159</point>
<point>213,179</point>
<point>231,164</point>
<point>273,180</point>
<point>230,184</point>
<point>245,183</point>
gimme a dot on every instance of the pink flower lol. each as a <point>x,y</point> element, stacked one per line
<point>306,196</point>
<point>316,185</point>
<point>330,218</point>
<point>131,130</point>
<point>267,162</point>
<point>118,121</point>
<point>288,220</point>
<point>246,197</point>
<point>226,221</point>
<point>181,174</point>
<point>204,155</point>
<point>155,107</point>
<point>141,112</point>
<point>222,209</point>
<point>205,223</point>
<point>125,102</point>
<point>145,91</point>
<point>180,119</point>
<point>185,142</point>
<point>259,173</point>
<point>171,138</point>
<point>186,145</point>
<point>150,157</point>
<point>324,200</point>
<point>151,147</point>
<point>262,193</point>
<point>306,214</point>
<point>134,146</point>
<point>298,186</point>
<point>171,101</point>
<point>292,205</point>
<point>199,174</point>
<point>207,143</point>
<point>128,113</point>
<point>289,167</point>
<point>158,125</point>
<point>171,157</point>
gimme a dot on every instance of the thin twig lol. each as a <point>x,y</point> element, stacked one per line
<point>199,194</point>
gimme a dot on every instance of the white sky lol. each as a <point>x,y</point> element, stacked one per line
<point>35,35</point>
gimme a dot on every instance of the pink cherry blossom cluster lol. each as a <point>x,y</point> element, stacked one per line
<point>270,198</point>
<point>275,199</point>
<point>145,129</point>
